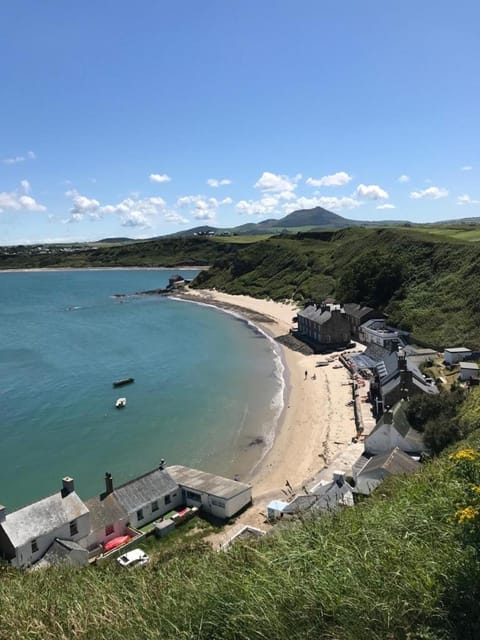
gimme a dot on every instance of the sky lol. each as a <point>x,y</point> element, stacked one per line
<point>138,119</point>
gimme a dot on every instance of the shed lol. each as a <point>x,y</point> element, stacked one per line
<point>468,370</point>
<point>456,354</point>
<point>164,527</point>
<point>275,509</point>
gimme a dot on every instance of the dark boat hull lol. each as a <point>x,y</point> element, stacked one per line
<point>120,383</point>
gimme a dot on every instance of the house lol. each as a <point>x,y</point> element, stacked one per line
<point>108,518</point>
<point>358,315</point>
<point>64,552</point>
<point>215,495</point>
<point>148,497</point>
<point>377,332</point>
<point>468,371</point>
<point>396,379</point>
<point>373,471</point>
<point>28,533</point>
<point>176,282</point>
<point>394,430</point>
<point>456,354</point>
<point>324,325</point>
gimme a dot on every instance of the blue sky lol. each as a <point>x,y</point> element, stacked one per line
<point>138,119</point>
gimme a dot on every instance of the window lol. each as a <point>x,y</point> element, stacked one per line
<point>168,499</point>
<point>155,505</point>
<point>194,496</point>
<point>218,503</point>
<point>140,514</point>
<point>73,528</point>
<point>34,546</point>
<point>109,529</point>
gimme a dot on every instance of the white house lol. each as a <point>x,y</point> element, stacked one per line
<point>394,430</point>
<point>28,533</point>
<point>373,471</point>
<point>456,354</point>
<point>221,497</point>
<point>468,370</point>
<point>148,497</point>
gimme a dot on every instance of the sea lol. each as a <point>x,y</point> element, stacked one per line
<point>208,392</point>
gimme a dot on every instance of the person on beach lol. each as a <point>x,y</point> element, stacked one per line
<point>306,375</point>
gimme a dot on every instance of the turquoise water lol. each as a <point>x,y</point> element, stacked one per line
<point>206,384</point>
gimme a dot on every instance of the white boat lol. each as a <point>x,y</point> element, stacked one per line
<point>120,403</point>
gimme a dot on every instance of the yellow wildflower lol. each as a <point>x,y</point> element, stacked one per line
<point>468,513</point>
<point>475,488</point>
<point>464,454</point>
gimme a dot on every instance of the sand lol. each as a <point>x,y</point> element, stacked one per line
<point>318,421</point>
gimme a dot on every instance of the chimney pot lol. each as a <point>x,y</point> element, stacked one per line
<point>67,487</point>
<point>108,483</point>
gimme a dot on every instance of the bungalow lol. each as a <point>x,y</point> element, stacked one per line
<point>218,496</point>
<point>394,430</point>
<point>456,354</point>
<point>324,325</point>
<point>28,533</point>
<point>372,472</point>
<point>148,497</point>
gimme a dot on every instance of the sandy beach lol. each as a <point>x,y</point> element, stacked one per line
<point>317,423</point>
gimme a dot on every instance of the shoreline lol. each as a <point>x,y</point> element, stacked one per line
<point>317,421</point>
<point>48,269</point>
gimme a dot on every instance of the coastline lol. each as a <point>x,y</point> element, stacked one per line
<point>317,421</point>
<point>46,269</point>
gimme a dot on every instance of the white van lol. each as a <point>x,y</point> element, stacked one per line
<point>135,557</point>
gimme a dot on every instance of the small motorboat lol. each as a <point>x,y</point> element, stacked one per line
<point>120,383</point>
<point>116,542</point>
<point>120,403</point>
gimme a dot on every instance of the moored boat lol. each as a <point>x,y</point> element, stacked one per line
<point>120,403</point>
<point>122,381</point>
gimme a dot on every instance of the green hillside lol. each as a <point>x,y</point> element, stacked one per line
<point>403,564</point>
<point>426,281</point>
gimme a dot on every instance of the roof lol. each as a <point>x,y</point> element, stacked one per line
<point>400,423</point>
<point>357,311</point>
<point>277,505</point>
<point>458,350</point>
<point>395,463</point>
<point>105,512</point>
<point>472,366</point>
<point>140,491</point>
<point>320,314</point>
<point>42,517</point>
<point>207,482</point>
<point>59,551</point>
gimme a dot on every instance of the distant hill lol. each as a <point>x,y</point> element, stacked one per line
<point>114,240</point>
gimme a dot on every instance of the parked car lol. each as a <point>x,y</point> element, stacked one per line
<point>133,558</point>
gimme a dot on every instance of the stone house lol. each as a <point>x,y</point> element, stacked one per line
<point>369,473</point>
<point>324,325</point>
<point>358,315</point>
<point>393,430</point>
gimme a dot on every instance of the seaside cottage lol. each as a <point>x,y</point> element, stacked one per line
<point>370,473</point>
<point>28,533</point>
<point>358,315</point>
<point>468,371</point>
<point>218,496</point>
<point>325,325</point>
<point>394,430</point>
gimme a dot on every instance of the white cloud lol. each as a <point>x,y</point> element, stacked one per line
<point>403,178</point>
<point>466,167</point>
<point>25,186</point>
<point>83,206</point>
<point>275,182</point>
<point>173,216</point>
<point>271,204</point>
<point>334,180</point>
<point>371,192</point>
<point>202,208</point>
<point>213,182</point>
<point>386,206</point>
<point>16,159</point>
<point>159,177</point>
<point>466,199</point>
<point>19,201</point>
<point>432,192</point>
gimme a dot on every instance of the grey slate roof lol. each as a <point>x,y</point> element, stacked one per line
<point>58,552</point>
<point>42,517</point>
<point>140,491</point>
<point>105,512</point>
<point>401,425</point>
<point>357,311</point>
<point>207,482</point>
<point>395,463</point>
<point>318,314</point>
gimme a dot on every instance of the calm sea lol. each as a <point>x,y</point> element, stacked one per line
<point>207,385</point>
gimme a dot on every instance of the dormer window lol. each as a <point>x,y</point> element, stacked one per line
<point>34,546</point>
<point>73,528</point>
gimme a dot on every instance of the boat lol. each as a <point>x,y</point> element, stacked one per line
<point>120,403</point>
<point>122,381</point>
<point>116,542</point>
<point>322,364</point>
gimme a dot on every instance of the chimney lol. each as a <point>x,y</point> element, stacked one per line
<point>339,478</point>
<point>3,513</point>
<point>161,466</point>
<point>108,483</point>
<point>388,416</point>
<point>67,486</point>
